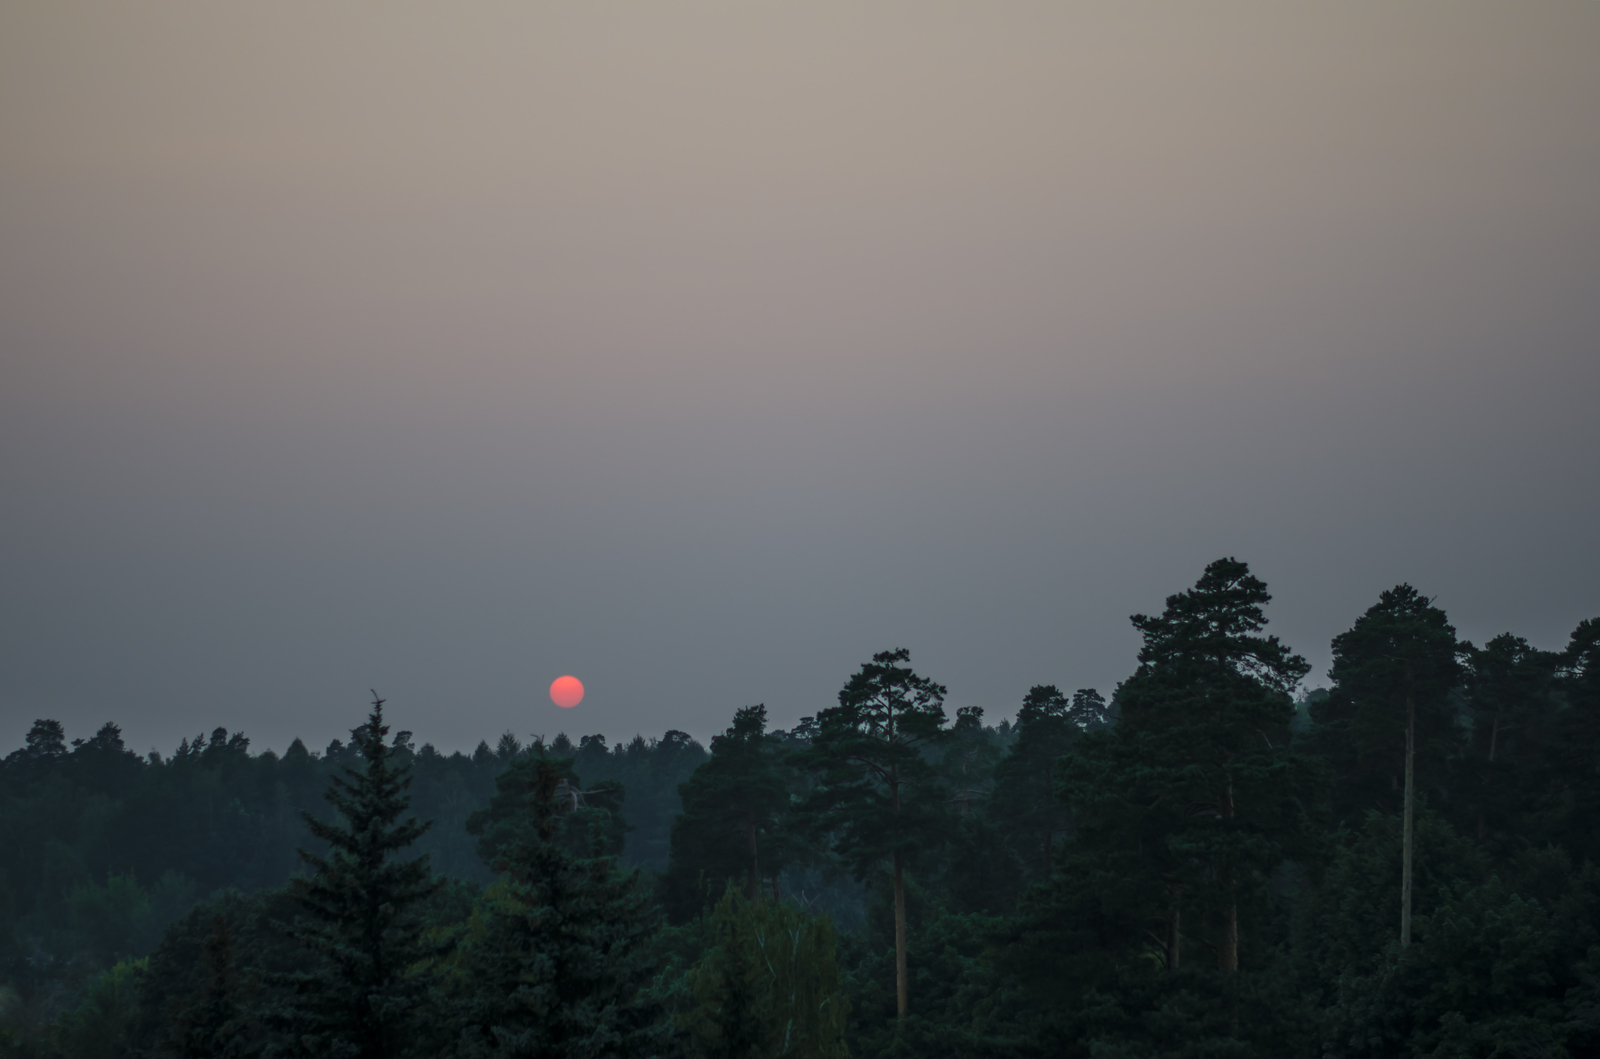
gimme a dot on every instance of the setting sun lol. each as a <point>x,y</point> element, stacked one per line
<point>566,691</point>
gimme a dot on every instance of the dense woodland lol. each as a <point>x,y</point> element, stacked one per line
<point>1212,862</point>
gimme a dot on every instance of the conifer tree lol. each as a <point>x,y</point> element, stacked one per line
<point>1190,798</point>
<point>967,762</point>
<point>1575,785</point>
<point>1509,686</point>
<point>1027,807</point>
<point>735,807</point>
<point>877,796</point>
<point>369,995</point>
<point>1089,710</point>
<point>1393,674</point>
<point>558,966</point>
<point>590,817</point>
<point>1212,698</point>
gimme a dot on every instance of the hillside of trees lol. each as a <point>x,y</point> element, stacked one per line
<point>1212,862</point>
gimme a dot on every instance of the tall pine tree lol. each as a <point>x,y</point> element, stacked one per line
<point>877,796</point>
<point>1190,800</point>
<point>1026,805</point>
<point>1393,674</point>
<point>735,807</point>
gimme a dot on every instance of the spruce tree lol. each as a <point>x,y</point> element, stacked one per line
<point>589,817</point>
<point>877,796</point>
<point>368,996</point>
<point>558,965</point>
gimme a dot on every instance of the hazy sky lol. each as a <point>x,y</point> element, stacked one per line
<point>703,349</point>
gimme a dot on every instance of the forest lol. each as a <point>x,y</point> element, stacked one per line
<point>1210,862</point>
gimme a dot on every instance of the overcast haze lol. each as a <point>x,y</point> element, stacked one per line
<point>702,350</point>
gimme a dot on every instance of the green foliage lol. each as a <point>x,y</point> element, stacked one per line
<point>99,1027</point>
<point>769,986</point>
<point>1497,974</point>
<point>1353,915</point>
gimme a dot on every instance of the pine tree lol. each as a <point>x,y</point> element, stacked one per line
<point>558,964</point>
<point>1190,801</point>
<point>1574,792</point>
<point>1027,806</point>
<point>369,995</point>
<point>1510,687</point>
<point>877,796</point>
<point>735,807</point>
<point>1393,674</point>
<point>1089,710</point>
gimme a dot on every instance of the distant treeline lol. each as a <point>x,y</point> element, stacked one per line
<point>1210,863</point>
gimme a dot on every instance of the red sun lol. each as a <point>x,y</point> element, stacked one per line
<point>566,692</point>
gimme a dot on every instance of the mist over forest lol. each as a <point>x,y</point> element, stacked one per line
<point>1210,860</point>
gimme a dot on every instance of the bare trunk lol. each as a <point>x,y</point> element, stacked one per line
<point>1050,829</point>
<point>753,884</point>
<point>1174,934</point>
<point>1494,739</point>
<point>1228,951</point>
<point>1405,850</point>
<point>899,937</point>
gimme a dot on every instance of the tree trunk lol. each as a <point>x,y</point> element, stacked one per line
<point>1050,826</point>
<point>1405,850</point>
<point>753,884</point>
<point>1174,934</point>
<point>1228,951</point>
<point>899,937</point>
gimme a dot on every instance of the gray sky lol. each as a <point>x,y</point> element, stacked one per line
<point>703,349</point>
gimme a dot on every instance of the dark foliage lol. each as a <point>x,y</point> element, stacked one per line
<point>1209,864</point>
